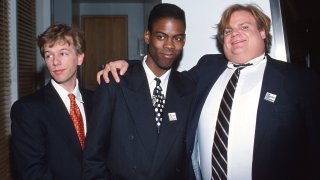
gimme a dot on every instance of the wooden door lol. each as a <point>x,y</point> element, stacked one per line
<point>106,39</point>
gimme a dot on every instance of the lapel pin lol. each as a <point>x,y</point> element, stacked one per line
<point>270,97</point>
<point>172,116</point>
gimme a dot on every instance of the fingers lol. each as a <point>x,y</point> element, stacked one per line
<point>112,66</point>
<point>99,75</point>
<point>124,67</point>
<point>105,73</point>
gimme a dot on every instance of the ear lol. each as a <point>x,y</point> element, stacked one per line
<point>80,59</point>
<point>147,37</point>
<point>263,33</point>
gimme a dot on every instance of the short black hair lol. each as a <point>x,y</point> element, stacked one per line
<point>165,10</point>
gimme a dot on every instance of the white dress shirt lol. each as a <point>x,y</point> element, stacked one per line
<point>242,120</point>
<point>150,76</point>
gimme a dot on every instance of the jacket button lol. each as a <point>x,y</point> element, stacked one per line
<point>134,168</point>
<point>131,137</point>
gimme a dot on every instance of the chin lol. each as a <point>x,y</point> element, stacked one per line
<point>58,80</point>
<point>166,67</point>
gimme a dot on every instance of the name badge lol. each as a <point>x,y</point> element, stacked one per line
<point>172,116</point>
<point>270,97</point>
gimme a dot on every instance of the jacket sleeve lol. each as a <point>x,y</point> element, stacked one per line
<point>98,135</point>
<point>28,143</point>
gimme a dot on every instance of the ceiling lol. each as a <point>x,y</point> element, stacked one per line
<point>111,1</point>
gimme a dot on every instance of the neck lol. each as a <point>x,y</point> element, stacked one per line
<point>157,71</point>
<point>70,86</point>
<point>242,59</point>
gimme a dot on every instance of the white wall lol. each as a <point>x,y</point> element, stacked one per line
<point>13,50</point>
<point>201,21</point>
<point>135,12</point>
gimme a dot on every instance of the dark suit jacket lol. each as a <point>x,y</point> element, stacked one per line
<point>287,135</point>
<point>123,142</point>
<point>44,140</point>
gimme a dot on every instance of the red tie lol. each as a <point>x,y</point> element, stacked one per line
<point>77,119</point>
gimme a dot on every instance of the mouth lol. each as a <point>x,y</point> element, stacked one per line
<point>58,71</point>
<point>237,42</point>
<point>168,55</point>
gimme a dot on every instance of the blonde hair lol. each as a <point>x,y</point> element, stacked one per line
<point>263,21</point>
<point>61,32</point>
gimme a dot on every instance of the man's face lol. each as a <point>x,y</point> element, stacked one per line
<point>62,61</point>
<point>165,42</point>
<point>243,40</point>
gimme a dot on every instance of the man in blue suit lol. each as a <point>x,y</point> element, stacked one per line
<point>274,119</point>
<point>126,141</point>
<point>45,141</point>
<point>274,127</point>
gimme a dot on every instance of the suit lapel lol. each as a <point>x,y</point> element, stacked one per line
<point>272,83</point>
<point>170,129</point>
<point>138,99</point>
<point>61,118</point>
<point>204,87</point>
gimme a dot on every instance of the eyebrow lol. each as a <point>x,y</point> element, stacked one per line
<point>63,49</point>
<point>168,35</point>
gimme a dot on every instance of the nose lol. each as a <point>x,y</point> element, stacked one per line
<point>235,32</point>
<point>169,43</point>
<point>56,61</point>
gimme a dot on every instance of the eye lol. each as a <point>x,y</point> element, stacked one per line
<point>161,37</point>
<point>63,54</point>
<point>48,56</point>
<point>179,38</point>
<point>227,32</point>
<point>244,27</point>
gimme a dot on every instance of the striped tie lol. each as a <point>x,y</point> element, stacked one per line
<point>220,142</point>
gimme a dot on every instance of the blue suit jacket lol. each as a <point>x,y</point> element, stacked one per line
<point>44,141</point>
<point>287,135</point>
<point>123,142</point>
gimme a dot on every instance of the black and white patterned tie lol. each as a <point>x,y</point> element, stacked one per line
<point>158,101</point>
<point>219,161</point>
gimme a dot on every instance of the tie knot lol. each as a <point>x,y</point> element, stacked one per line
<point>242,65</point>
<point>72,97</point>
<point>158,81</point>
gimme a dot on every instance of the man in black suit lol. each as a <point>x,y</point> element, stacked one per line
<point>274,119</point>
<point>126,141</point>
<point>45,141</point>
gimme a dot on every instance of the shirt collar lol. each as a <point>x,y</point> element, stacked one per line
<point>254,61</point>
<point>64,93</point>
<point>150,75</point>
